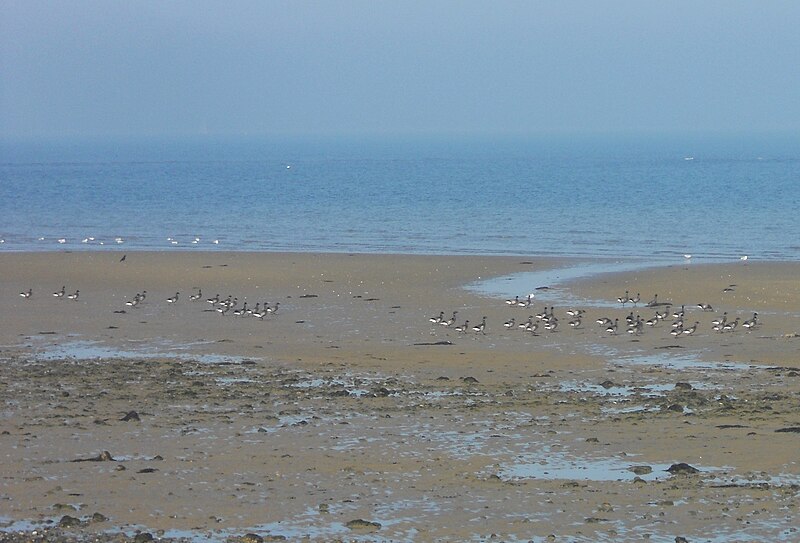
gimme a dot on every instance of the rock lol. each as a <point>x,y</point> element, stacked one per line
<point>147,470</point>
<point>641,470</point>
<point>105,456</point>
<point>68,521</point>
<point>592,440</point>
<point>608,383</point>
<point>791,429</point>
<point>143,537</point>
<point>98,517</point>
<point>682,468</point>
<point>675,407</point>
<point>469,379</point>
<point>681,539</point>
<point>129,416</point>
<point>683,386</point>
<point>251,538</point>
<point>64,507</point>
<point>276,537</point>
<point>361,524</point>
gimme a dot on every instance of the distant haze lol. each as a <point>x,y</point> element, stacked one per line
<point>105,67</point>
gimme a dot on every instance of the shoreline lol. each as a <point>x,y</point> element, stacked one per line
<point>348,404</point>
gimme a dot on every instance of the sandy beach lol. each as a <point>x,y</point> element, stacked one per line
<point>344,413</point>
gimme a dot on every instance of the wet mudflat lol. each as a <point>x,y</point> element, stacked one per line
<point>215,451</point>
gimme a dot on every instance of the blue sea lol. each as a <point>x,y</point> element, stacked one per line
<point>653,197</point>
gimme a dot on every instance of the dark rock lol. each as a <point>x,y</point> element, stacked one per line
<point>791,429</point>
<point>592,440</point>
<point>381,392</point>
<point>681,539</point>
<point>339,393</point>
<point>682,468</point>
<point>98,517</point>
<point>608,383</point>
<point>251,538</point>
<point>276,537</point>
<point>683,386</point>
<point>129,416</point>
<point>143,537</point>
<point>641,470</point>
<point>105,456</point>
<point>442,378</point>
<point>675,407</point>
<point>147,470</point>
<point>361,524</point>
<point>727,426</point>
<point>68,521</point>
<point>434,343</point>
<point>470,379</point>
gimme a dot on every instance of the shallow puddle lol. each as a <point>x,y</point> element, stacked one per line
<point>92,350</point>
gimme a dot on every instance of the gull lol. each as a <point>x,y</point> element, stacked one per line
<point>743,258</point>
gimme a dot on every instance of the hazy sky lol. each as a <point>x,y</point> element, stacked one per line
<point>297,67</point>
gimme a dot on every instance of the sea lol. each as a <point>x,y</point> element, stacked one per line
<point>655,197</point>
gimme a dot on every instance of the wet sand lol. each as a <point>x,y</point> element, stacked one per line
<point>348,405</point>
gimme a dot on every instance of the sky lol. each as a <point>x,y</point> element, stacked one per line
<point>294,67</point>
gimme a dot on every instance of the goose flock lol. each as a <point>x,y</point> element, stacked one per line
<point>676,323</point>
<point>223,306</point>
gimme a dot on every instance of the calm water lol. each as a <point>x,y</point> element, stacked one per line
<point>653,198</point>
